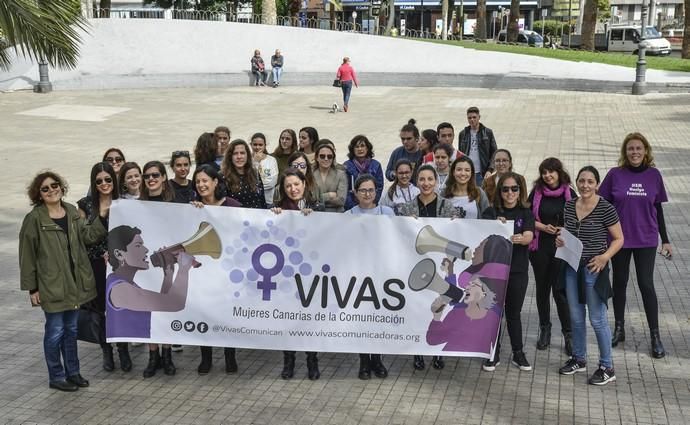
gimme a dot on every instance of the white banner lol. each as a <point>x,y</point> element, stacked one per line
<point>324,282</point>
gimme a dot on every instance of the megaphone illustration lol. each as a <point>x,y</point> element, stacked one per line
<point>430,241</point>
<point>204,242</point>
<point>424,276</point>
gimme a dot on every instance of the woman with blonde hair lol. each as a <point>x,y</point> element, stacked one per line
<point>347,76</point>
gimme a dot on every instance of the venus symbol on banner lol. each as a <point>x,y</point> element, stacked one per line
<point>266,285</point>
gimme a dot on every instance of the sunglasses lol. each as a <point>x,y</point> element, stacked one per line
<point>152,176</point>
<point>100,181</point>
<point>53,186</point>
<point>177,154</point>
<point>506,189</point>
<point>117,159</point>
<point>327,156</point>
<point>301,166</point>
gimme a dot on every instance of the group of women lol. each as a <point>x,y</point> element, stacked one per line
<point>63,250</point>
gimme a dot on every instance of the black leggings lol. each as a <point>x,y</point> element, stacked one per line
<point>547,269</point>
<point>644,270</point>
<point>515,297</point>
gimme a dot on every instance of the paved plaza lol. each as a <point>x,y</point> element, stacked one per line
<point>69,131</point>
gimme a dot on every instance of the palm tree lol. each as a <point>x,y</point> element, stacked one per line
<point>513,22</point>
<point>589,24</point>
<point>444,16</point>
<point>41,30</point>
<point>269,12</point>
<point>391,16</point>
<point>686,32</point>
<point>480,33</point>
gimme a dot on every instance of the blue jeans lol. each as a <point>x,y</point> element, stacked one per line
<point>61,339</point>
<point>597,317</point>
<point>277,73</point>
<point>347,89</point>
<point>479,178</point>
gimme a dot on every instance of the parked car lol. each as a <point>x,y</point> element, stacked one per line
<point>624,39</point>
<point>530,38</point>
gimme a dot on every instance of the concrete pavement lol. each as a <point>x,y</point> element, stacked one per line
<point>69,131</point>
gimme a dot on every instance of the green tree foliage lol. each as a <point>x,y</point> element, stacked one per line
<point>41,30</point>
<point>551,27</point>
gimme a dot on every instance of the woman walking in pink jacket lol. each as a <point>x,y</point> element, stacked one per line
<point>346,74</point>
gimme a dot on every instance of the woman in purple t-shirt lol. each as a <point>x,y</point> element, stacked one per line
<point>636,189</point>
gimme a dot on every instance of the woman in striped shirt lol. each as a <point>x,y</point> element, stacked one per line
<point>592,220</point>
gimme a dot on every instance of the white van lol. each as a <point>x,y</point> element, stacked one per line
<point>625,38</point>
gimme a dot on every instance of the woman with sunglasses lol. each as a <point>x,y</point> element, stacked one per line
<point>461,190</point>
<point>181,162</point>
<point>361,161</point>
<point>300,162</point>
<point>595,223</point>
<point>294,196</point>
<point>103,191</point>
<point>287,145</point>
<point>54,268</point>
<point>157,188</point>
<point>427,203</point>
<point>502,164</point>
<point>308,136</point>
<point>243,182</point>
<point>210,190</point>
<point>402,190</point>
<point>636,189</point>
<point>265,165</point>
<point>331,182</point>
<point>365,189</point>
<point>550,193</point>
<point>115,158</point>
<point>510,203</point>
<point>130,180</point>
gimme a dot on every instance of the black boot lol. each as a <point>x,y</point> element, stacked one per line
<point>418,362</point>
<point>364,367</point>
<point>568,343</point>
<point>154,364</point>
<point>544,338</point>
<point>168,365</point>
<point>206,360</point>
<point>438,363</point>
<point>288,365</point>
<point>377,366</point>
<point>618,333</point>
<point>230,361</point>
<point>657,347</point>
<point>123,353</point>
<point>108,361</point>
<point>313,367</point>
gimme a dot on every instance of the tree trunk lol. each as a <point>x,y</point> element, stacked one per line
<point>686,32</point>
<point>269,13</point>
<point>513,22</point>
<point>480,33</point>
<point>589,24</point>
<point>391,16</point>
<point>105,8</point>
<point>444,16</point>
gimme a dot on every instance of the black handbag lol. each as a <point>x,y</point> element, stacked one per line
<point>337,83</point>
<point>90,326</point>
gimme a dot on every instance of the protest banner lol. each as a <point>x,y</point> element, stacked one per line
<point>237,277</point>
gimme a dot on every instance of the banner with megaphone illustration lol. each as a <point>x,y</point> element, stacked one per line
<point>235,277</point>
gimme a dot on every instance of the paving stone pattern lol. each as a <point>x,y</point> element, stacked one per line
<point>580,128</point>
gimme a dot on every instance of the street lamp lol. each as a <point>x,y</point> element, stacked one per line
<point>422,24</point>
<point>640,84</point>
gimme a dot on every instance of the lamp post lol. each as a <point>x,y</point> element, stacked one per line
<point>640,85</point>
<point>44,85</point>
<point>422,25</point>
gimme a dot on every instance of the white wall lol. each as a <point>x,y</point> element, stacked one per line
<point>116,52</point>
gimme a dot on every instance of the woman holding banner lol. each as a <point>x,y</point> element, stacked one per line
<point>103,190</point>
<point>510,203</point>
<point>427,204</point>
<point>294,196</point>
<point>361,160</point>
<point>243,181</point>
<point>461,190</point>
<point>210,190</point>
<point>365,190</point>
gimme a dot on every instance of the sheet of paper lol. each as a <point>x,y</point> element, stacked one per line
<point>571,251</point>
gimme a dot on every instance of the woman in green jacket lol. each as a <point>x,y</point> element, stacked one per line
<point>55,269</point>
